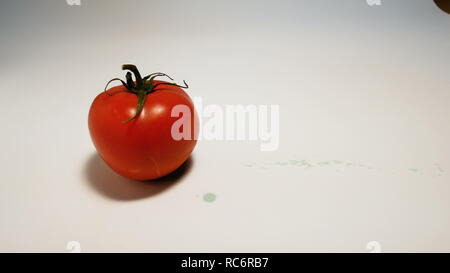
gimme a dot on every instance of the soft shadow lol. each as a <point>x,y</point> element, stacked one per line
<point>111,185</point>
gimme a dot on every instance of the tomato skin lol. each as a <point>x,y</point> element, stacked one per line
<point>141,149</point>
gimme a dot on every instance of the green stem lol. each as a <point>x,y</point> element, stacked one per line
<point>115,79</point>
<point>142,96</point>
<point>136,73</point>
<point>130,81</point>
<point>143,86</point>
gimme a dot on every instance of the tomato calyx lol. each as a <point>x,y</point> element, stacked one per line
<point>141,86</point>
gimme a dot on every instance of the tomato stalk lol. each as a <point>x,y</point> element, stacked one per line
<point>141,86</point>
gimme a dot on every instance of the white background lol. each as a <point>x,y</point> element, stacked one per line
<point>363,94</point>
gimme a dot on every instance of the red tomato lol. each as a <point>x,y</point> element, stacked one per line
<point>131,124</point>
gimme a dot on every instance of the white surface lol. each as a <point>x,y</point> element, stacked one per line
<point>358,84</point>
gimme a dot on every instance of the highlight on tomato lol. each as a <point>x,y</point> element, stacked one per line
<point>131,125</point>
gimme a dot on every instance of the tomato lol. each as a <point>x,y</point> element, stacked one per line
<point>131,124</point>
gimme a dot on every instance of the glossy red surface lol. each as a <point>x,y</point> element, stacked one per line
<point>142,149</point>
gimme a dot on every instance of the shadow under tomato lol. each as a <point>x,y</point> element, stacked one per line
<point>111,185</point>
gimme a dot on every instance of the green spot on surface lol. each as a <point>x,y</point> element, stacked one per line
<point>324,163</point>
<point>209,197</point>
<point>281,163</point>
<point>337,161</point>
<point>304,163</point>
<point>294,162</point>
<point>413,169</point>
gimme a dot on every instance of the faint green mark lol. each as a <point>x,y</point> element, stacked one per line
<point>294,162</point>
<point>308,164</point>
<point>322,163</point>
<point>305,163</point>
<point>209,197</point>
